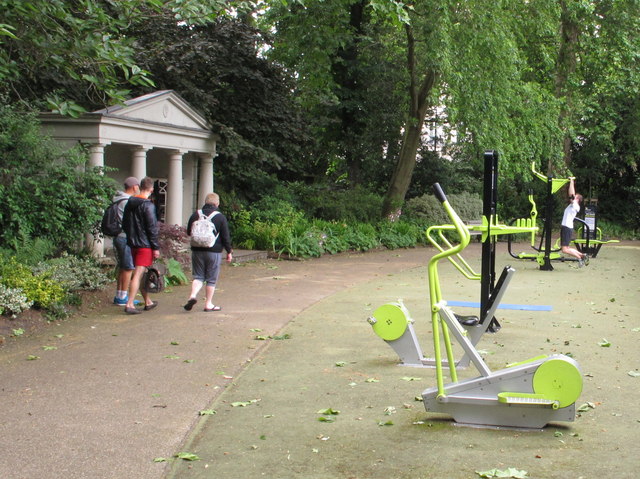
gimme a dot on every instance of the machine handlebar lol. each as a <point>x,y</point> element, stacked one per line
<point>437,189</point>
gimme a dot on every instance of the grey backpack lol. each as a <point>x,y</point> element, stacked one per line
<point>203,231</point>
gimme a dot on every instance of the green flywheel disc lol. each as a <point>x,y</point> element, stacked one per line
<point>391,321</point>
<point>559,380</point>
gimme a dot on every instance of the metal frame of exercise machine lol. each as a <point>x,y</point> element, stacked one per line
<point>392,321</point>
<point>546,252</point>
<point>528,394</point>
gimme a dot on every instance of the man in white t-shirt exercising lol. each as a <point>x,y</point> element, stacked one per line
<point>566,230</point>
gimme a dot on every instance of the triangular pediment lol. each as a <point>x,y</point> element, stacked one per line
<point>163,107</point>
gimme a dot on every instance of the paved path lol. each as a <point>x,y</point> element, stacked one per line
<point>108,393</point>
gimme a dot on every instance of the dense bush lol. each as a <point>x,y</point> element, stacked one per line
<point>426,210</point>
<point>400,234</point>
<point>73,273</point>
<point>50,285</point>
<point>46,192</point>
<point>40,288</point>
<point>13,301</point>
<point>172,240</point>
<point>355,204</point>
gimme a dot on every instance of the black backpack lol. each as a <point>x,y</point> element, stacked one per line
<point>111,220</point>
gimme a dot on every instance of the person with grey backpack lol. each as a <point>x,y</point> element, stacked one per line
<point>209,235</point>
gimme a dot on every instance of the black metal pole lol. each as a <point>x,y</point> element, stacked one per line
<point>489,204</point>
<point>548,226</point>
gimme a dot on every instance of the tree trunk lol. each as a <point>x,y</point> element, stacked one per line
<point>418,106</point>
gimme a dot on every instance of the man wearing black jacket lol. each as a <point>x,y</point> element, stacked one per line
<point>206,261</point>
<point>141,227</point>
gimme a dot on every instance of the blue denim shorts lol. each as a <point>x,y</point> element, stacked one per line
<point>123,253</point>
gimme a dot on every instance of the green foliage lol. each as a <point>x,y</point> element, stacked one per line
<point>355,204</point>
<point>73,273</point>
<point>13,301</point>
<point>80,53</point>
<point>304,244</point>
<point>616,231</point>
<point>427,210</point>
<point>46,193</point>
<point>50,285</point>
<point>220,68</point>
<point>30,251</point>
<point>39,288</point>
<point>175,275</point>
<point>362,237</point>
<point>399,234</point>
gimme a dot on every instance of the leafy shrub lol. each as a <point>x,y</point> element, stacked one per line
<point>333,239</point>
<point>175,275</point>
<point>399,234</point>
<point>362,237</point>
<point>173,240</point>
<point>30,251</point>
<point>269,225</point>
<point>13,301</point>
<point>74,273</point>
<point>427,210</point>
<point>46,192</point>
<point>271,209</point>
<point>353,205</point>
<point>305,245</point>
<point>41,288</point>
<point>616,231</point>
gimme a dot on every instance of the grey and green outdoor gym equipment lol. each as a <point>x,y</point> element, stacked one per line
<point>392,321</point>
<point>527,394</point>
<point>589,238</point>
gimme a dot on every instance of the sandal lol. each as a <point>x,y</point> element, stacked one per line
<point>149,307</point>
<point>215,308</point>
<point>190,303</point>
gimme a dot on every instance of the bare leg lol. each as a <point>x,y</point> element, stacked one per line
<point>134,286</point>
<point>573,252</point>
<point>124,279</point>
<point>210,290</point>
<point>196,286</point>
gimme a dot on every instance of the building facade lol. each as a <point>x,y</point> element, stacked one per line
<point>157,135</point>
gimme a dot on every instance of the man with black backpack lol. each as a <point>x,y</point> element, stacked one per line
<point>121,249</point>
<point>209,232</point>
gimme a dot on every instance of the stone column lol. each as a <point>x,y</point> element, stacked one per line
<point>96,155</point>
<point>139,162</point>
<point>205,177</point>
<point>175,189</point>
<point>96,159</point>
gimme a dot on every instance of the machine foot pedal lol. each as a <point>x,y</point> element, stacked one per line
<point>525,399</point>
<point>467,320</point>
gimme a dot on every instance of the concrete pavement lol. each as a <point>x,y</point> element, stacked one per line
<point>103,395</point>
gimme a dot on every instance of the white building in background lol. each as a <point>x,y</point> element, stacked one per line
<point>157,135</point>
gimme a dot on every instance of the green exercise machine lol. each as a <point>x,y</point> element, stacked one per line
<point>589,237</point>
<point>527,394</point>
<point>392,321</point>
<point>545,252</point>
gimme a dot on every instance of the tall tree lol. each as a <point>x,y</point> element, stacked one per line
<point>443,53</point>
<point>74,53</point>
<point>469,63</point>
<point>346,82</point>
<point>218,68</point>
